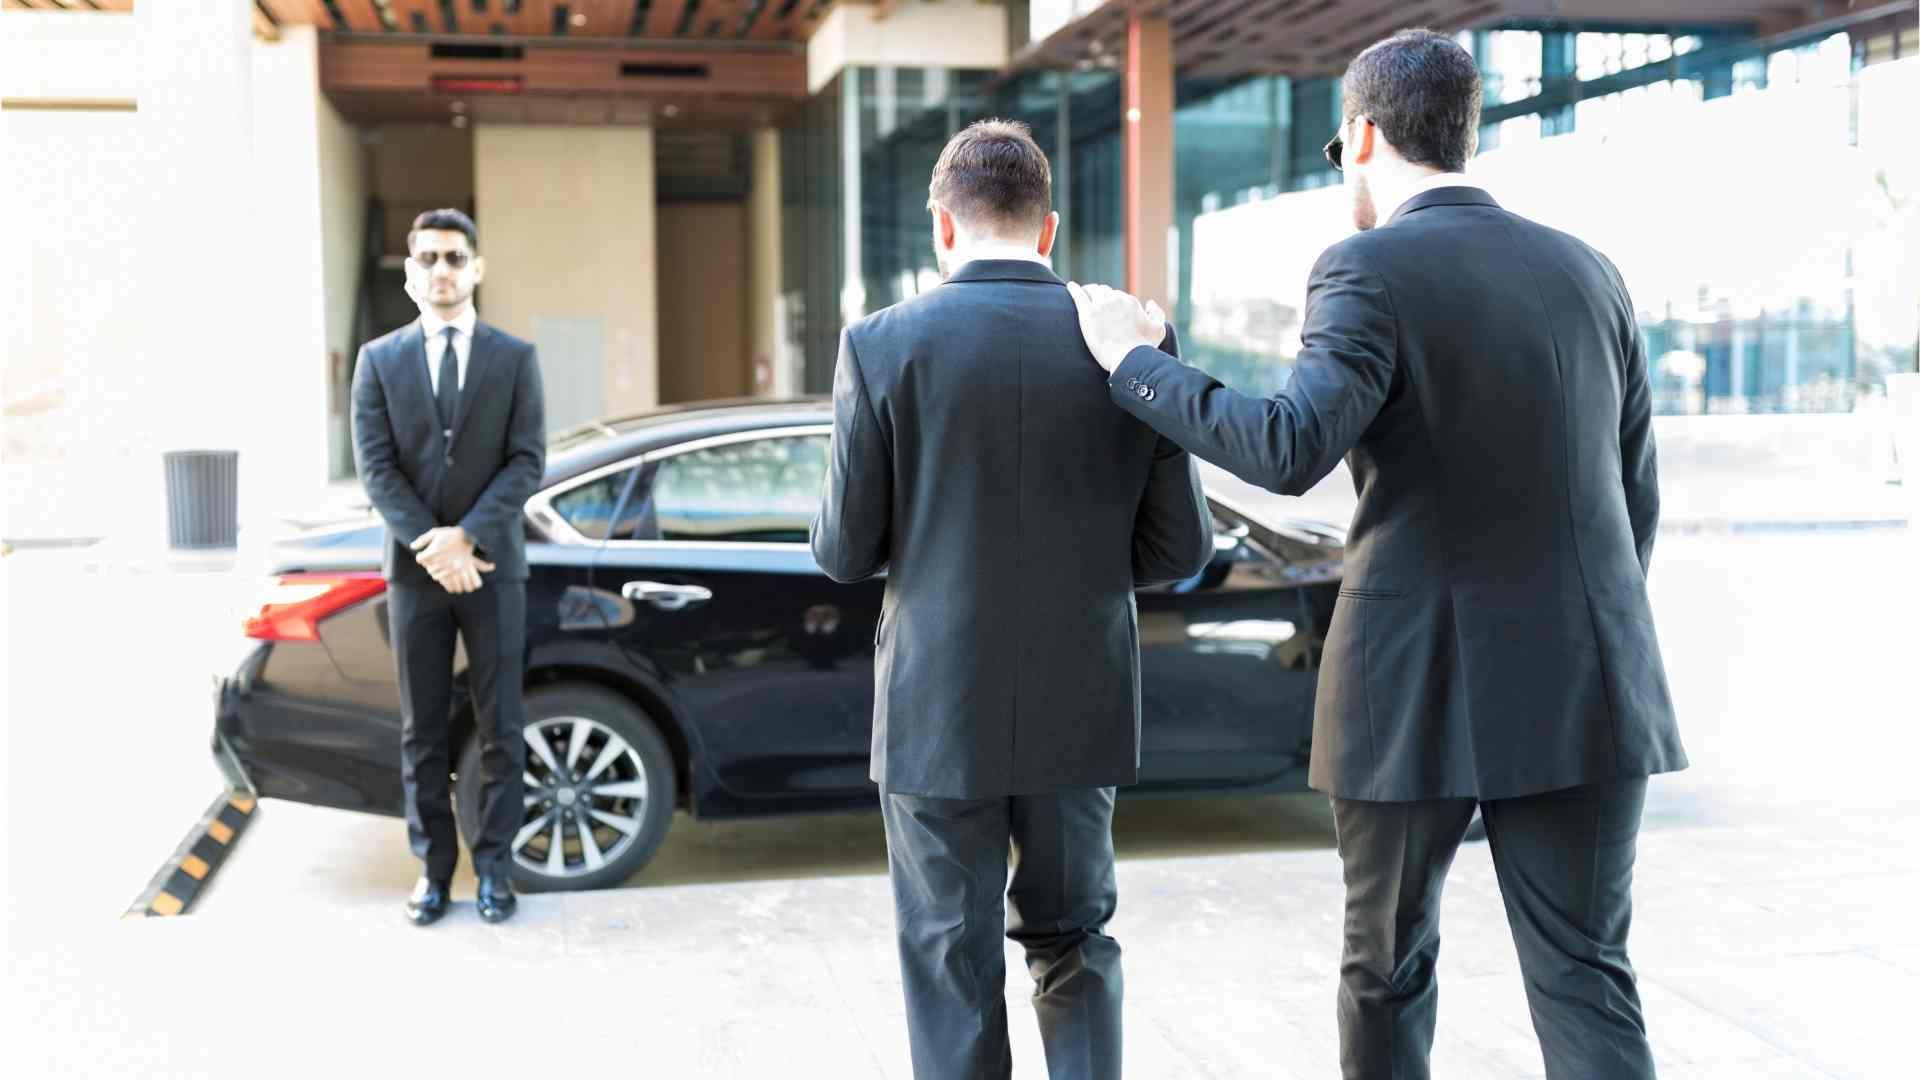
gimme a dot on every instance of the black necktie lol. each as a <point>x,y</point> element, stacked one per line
<point>447,396</point>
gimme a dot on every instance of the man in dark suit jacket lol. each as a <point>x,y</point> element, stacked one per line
<point>1492,645</point>
<point>977,463</point>
<point>449,433</point>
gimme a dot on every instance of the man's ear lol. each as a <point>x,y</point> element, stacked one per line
<point>1361,150</point>
<point>479,269</point>
<point>1049,233</point>
<point>945,231</point>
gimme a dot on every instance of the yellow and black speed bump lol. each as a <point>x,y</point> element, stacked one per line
<point>174,888</point>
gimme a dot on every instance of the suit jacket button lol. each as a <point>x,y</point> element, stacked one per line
<point>1146,393</point>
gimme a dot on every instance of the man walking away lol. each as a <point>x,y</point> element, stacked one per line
<point>977,463</point>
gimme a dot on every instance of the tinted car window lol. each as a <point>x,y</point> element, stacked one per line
<point>589,508</point>
<point>765,490</point>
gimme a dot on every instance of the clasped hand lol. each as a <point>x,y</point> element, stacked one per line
<point>447,554</point>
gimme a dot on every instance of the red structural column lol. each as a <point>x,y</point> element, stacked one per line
<point>1149,155</point>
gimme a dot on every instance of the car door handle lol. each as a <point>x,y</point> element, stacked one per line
<point>666,597</point>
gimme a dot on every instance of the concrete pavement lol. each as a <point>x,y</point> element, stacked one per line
<point>1774,932</point>
<point>1763,954</point>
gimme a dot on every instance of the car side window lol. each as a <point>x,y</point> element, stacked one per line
<point>762,490</point>
<point>590,507</point>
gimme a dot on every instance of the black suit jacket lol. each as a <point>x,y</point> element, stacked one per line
<point>1487,381</point>
<point>482,478</point>
<point>977,463</point>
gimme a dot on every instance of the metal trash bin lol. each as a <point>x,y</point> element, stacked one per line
<point>203,498</point>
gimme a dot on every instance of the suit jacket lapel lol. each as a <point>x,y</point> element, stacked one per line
<point>478,371</point>
<point>413,357</point>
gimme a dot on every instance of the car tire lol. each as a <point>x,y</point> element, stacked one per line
<point>615,777</point>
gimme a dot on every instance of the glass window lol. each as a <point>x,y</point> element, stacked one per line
<point>1237,141</point>
<point>766,490</point>
<point>590,507</point>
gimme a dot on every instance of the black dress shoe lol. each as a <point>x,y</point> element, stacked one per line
<point>428,902</point>
<point>495,898</point>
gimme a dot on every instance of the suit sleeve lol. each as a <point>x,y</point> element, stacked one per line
<point>1288,442</point>
<point>374,457</point>
<point>1638,473</point>
<point>505,496</point>
<point>1172,531</point>
<point>852,535</point>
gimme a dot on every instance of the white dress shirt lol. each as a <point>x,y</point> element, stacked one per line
<point>977,252</point>
<point>1431,181</point>
<point>435,330</point>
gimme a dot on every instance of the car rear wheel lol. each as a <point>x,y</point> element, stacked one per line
<point>599,790</point>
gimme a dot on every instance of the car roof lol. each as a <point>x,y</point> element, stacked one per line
<point>605,441</point>
<point>582,449</point>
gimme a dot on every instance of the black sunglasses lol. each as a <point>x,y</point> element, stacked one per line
<point>456,259</point>
<point>1332,150</point>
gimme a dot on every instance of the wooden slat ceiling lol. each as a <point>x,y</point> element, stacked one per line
<point>671,63</point>
<point>67,5</point>
<point>1319,37</point>
<point>403,81</point>
<point>685,20</point>
<point>735,63</point>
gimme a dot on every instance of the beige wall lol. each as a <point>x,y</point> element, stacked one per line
<point>567,223</point>
<point>60,269</point>
<point>415,167</point>
<point>773,372</point>
<point>704,327</point>
<point>343,211</point>
<point>935,33</point>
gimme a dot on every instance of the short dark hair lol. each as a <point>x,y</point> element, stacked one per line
<point>994,174</point>
<point>450,220</point>
<point>1422,90</point>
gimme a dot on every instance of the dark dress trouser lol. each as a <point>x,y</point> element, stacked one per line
<point>423,620</point>
<point>948,859</point>
<point>1564,860</point>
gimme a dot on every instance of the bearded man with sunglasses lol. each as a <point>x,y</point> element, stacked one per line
<point>1492,646</point>
<point>449,434</point>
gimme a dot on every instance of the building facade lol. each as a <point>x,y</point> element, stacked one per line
<point>208,202</point>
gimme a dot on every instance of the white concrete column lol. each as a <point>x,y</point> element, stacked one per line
<point>774,373</point>
<point>199,379</point>
<point>235,125</point>
<point>930,33</point>
<point>288,185</point>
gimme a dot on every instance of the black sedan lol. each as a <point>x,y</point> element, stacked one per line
<point>685,652</point>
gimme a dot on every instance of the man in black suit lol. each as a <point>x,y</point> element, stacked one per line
<point>977,464</point>
<point>1492,645</point>
<point>449,433</point>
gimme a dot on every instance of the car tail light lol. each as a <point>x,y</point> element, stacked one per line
<point>292,612</point>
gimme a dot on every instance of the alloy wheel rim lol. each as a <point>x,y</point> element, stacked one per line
<point>585,797</point>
